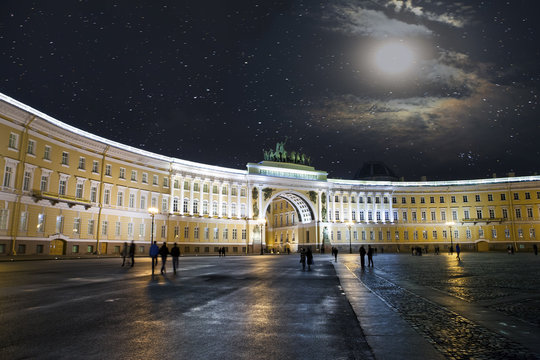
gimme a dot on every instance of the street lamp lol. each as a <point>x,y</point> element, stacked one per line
<point>153,211</point>
<point>349,225</point>
<point>450,224</point>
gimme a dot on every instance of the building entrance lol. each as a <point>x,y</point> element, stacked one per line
<point>57,247</point>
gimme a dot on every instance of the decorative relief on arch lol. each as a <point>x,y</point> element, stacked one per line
<point>312,196</point>
<point>267,193</point>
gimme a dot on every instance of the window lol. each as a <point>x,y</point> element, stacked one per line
<point>404,216</point>
<point>225,234</point>
<point>107,196</point>
<point>216,233</point>
<point>155,180</point>
<point>244,234</point>
<point>76,226</point>
<point>235,234</point>
<point>423,215</point>
<point>104,227</point>
<point>133,175</point>
<point>122,173</point>
<point>492,213</point>
<point>490,197</point>
<point>195,186</point>
<point>413,200</point>
<point>163,231</point>
<point>131,201</point>
<point>503,197</point>
<point>79,191</point>
<point>164,205</point>
<point>477,198</point>
<point>214,208</point>
<point>441,199</point>
<point>432,199</point>
<point>454,215</point>
<point>205,207</point>
<point>452,199</point>
<point>530,213</point>
<point>41,223</point>
<point>234,191</point>
<point>243,210</point>
<point>494,233</point>
<point>468,233</point>
<point>243,192</point>
<point>130,229</point>
<point>65,158</point>
<point>443,215</point>
<point>145,178</point>
<point>465,198</point>
<point>466,214</point>
<point>532,233</point>
<point>214,189</point>
<point>8,176</point>
<point>4,215</point>
<point>518,213</point>
<point>206,233</point>
<point>403,200</point>
<point>47,153</point>
<point>13,141</point>
<point>224,209</point>
<point>505,213</point>
<point>166,182</point>
<point>23,221</point>
<point>120,199</point>
<point>142,230</point>
<point>185,206</point>
<point>82,163</point>
<point>422,200</point>
<point>95,165</point>
<point>62,187</point>
<point>186,232</point>
<point>481,233</point>
<point>30,150</point>
<point>516,196</point>
<point>413,214</point>
<point>27,180</point>
<point>507,233</point>
<point>143,202</point>
<point>195,206</point>
<point>405,235</point>
<point>337,215</point>
<point>90,227</point>
<point>433,216</point>
<point>479,214</point>
<point>527,196</point>
<point>108,170</point>
<point>93,193</point>
<point>196,232</point>
<point>370,215</point>
<point>205,188</point>
<point>117,228</point>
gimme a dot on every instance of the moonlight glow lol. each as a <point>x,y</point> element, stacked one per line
<point>394,58</point>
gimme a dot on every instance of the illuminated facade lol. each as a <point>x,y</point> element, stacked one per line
<point>68,192</point>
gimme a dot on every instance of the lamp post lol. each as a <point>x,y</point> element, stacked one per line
<point>153,211</point>
<point>263,222</point>
<point>451,241</point>
<point>349,225</point>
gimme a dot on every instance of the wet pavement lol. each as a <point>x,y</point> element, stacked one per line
<point>257,307</point>
<point>483,307</point>
<point>265,307</point>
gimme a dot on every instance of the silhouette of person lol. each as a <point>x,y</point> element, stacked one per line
<point>362,256</point>
<point>125,252</point>
<point>132,252</point>
<point>154,252</point>
<point>303,259</point>
<point>309,258</point>
<point>335,254</point>
<point>164,252</point>
<point>370,255</point>
<point>175,253</point>
<point>458,250</point>
<point>535,249</point>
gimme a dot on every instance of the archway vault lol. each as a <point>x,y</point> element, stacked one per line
<point>301,205</point>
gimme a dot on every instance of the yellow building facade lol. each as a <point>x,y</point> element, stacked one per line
<point>68,192</point>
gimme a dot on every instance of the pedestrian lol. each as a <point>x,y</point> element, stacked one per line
<point>370,255</point>
<point>303,259</point>
<point>309,258</point>
<point>335,254</point>
<point>175,253</point>
<point>164,252</point>
<point>132,252</point>
<point>219,252</point>
<point>223,251</point>
<point>458,250</point>
<point>451,250</point>
<point>362,256</point>
<point>154,252</point>
<point>125,252</point>
<point>535,249</point>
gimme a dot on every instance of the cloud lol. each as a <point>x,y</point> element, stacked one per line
<point>352,19</point>
<point>445,17</point>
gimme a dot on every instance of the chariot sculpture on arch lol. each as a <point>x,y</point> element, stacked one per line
<point>281,155</point>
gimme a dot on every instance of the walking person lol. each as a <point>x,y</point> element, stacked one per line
<point>132,252</point>
<point>335,254</point>
<point>175,253</point>
<point>309,258</point>
<point>458,250</point>
<point>370,255</point>
<point>125,252</point>
<point>362,257</point>
<point>303,259</point>
<point>164,252</point>
<point>535,249</point>
<point>154,252</point>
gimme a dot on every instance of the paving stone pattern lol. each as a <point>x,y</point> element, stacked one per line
<point>500,283</point>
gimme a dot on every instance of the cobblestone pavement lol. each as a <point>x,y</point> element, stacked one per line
<point>495,284</point>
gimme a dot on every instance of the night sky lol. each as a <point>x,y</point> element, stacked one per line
<point>220,81</point>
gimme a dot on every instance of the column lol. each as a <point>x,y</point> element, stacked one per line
<point>191,181</point>
<point>181,185</point>
<point>259,189</point>
<point>229,197</point>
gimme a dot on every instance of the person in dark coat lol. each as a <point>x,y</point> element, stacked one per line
<point>303,259</point>
<point>132,252</point>
<point>164,252</point>
<point>362,256</point>
<point>125,252</point>
<point>370,255</point>
<point>154,252</point>
<point>175,253</point>
<point>458,250</point>
<point>335,254</point>
<point>535,249</point>
<point>309,258</point>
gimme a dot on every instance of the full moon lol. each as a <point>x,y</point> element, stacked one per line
<point>394,58</point>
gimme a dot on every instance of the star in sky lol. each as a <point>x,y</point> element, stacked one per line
<point>220,81</point>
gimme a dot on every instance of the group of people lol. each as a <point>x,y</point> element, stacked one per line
<point>163,251</point>
<point>306,256</point>
<point>363,254</point>
<point>221,251</point>
<point>128,252</point>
